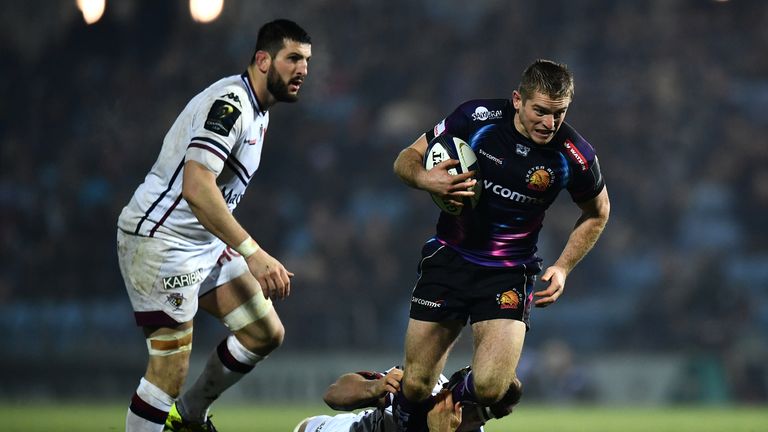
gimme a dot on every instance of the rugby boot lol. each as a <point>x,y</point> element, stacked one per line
<point>174,423</point>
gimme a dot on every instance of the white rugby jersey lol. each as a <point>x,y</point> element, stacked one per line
<point>222,128</point>
<point>369,420</point>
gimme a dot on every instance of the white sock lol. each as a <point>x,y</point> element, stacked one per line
<point>227,365</point>
<point>149,408</point>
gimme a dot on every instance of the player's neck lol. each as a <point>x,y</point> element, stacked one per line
<point>258,82</point>
<point>520,128</point>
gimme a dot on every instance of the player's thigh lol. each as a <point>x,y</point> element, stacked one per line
<point>498,344</point>
<point>426,348</point>
<point>229,285</point>
<point>163,277</point>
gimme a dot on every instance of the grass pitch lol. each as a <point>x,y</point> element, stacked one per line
<point>48,417</point>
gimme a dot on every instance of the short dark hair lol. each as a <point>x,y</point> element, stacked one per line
<point>273,34</point>
<point>550,78</point>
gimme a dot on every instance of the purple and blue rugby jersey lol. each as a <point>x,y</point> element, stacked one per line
<point>520,180</point>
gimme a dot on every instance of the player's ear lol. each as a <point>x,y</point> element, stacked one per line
<point>517,99</point>
<point>262,60</point>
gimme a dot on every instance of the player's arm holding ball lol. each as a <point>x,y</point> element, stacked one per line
<point>409,166</point>
<point>204,198</point>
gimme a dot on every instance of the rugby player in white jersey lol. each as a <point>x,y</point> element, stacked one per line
<point>372,392</point>
<point>180,248</point>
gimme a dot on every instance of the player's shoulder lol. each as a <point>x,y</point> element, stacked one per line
<point>574,146</point>
<point>568,133</point>
<point>231,90</point>
<point>483,110</point>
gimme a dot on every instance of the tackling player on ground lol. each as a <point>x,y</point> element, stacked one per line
<point>481,265</point>
<point>374,391</point>
<point>180,247</point>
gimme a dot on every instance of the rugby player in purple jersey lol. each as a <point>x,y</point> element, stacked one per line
<point>481,265</point>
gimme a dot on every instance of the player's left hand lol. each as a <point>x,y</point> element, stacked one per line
<point>445,416</point>
<point>555,276</point>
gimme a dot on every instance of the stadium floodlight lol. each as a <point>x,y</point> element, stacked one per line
<point>205,11</point>
<point>92,10</point>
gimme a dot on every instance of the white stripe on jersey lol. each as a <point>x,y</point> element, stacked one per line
<point>157,208</point>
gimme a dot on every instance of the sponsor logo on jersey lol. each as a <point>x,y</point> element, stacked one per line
<point>185,280</point>
<point>575,154</point>
<point>175,300</point>
<point>540,178</point>
<point>509,299</point>
<point>232,96</point>
<point>439,128</point>
<point>427,303</point>
<point>522,150</point>
<point>496,160</point>
<point>231,197</point>
<point>510,194</point>
<point>482,114</point>
<point>222,117</point>
<point>260,136</point>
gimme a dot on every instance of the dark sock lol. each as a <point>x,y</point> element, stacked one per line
<point>410,416</point>
<point>464,391</point>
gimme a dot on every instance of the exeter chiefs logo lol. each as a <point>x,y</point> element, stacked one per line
<point>508,299</point>
<point>540,178</point>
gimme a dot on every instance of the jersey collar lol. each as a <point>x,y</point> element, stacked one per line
<point>251,94</point>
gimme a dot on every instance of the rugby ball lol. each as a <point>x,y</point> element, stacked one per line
<point>444,147</point>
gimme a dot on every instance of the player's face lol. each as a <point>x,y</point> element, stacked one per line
<point>287,71</point>
<point>539,117</point>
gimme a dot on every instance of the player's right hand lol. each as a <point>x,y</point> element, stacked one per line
<point>452,187</point>
<point>390,383</point>
<point>274,278</point>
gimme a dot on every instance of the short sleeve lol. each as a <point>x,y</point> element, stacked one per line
<point>216,128</point>
<point>587,180</point>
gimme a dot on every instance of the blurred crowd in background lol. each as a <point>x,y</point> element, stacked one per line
<point>671,93</point>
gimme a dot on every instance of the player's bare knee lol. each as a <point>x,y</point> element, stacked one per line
<point>417,387</point>
<point>256,326</point>
<point>489,389</point>
<point>274,339</point>
<point>260,342</point>
<point>169,359</point>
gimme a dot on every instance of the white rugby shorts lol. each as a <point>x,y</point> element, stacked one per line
<point>165,278</point>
